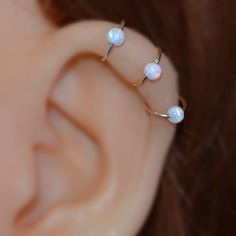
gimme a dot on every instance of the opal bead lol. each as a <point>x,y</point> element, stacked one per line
<point>116,36</point>
<point>176,114</point>
<point>152,71</point>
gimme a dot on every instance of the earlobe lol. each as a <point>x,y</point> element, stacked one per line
<point>109,155</point>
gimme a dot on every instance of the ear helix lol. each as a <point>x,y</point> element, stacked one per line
<point>153,72</point>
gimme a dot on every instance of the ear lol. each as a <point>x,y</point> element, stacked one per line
<point>100,156</point>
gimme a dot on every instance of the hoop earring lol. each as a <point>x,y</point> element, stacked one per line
<point>175,114</point>
<point>115,37</point>
<point>152,71</point>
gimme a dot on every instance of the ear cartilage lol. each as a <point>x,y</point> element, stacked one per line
<point>175,114</point>
<point>152,71</point>
<point>115,37</point>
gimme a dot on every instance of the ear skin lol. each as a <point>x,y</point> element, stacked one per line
<point>83,159</point>
<point>107,155</point>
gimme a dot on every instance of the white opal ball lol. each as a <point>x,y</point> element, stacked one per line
<point>116,36</point>
<point>176,114</point>
<point>152,71</point>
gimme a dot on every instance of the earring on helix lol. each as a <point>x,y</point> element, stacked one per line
<point>175,114</point>
<point>115,37</point>
<point>153,71</point>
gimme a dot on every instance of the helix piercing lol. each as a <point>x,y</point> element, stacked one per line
<point>175,114</point>
<point>152,71</point>
<point>115,37</point>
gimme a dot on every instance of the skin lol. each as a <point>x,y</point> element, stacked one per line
<point>79,154</point>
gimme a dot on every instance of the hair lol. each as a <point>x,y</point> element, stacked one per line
<point>197,193</point>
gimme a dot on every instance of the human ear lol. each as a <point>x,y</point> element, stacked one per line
<point>98,170</point>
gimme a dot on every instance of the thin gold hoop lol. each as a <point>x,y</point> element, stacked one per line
<point>183,106</point>
<point>121,38</point>
<point>156,61</point>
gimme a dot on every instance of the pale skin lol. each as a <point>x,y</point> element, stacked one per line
<point>79,154</point>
